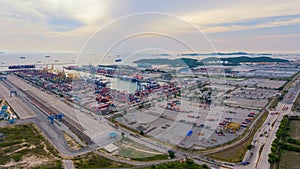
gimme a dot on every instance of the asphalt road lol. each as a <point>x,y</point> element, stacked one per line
<point>263,139</point>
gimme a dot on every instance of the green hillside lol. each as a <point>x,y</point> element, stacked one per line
<point>209,61</point>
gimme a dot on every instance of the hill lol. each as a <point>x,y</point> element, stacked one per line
<point>209,61</point>
<point>172,62</point>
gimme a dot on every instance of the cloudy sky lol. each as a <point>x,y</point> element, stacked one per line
<point>97,25</point>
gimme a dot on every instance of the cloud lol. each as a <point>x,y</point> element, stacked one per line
<point>55,13</point>
<point>281,36</point>
<point>47,23</point>
<point>63,24</point>
<point>252,25</point>
<point>246,15</point>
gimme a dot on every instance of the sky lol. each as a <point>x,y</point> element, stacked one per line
<point>103,26</point>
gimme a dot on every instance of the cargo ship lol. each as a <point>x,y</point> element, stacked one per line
<point>21,67</point>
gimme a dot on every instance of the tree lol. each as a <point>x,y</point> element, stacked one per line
<point>171,154</point>
<point>142,133</point>
<point>205,166</point>
<point>249,146</point>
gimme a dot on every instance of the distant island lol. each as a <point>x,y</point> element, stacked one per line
<point>233,61</point>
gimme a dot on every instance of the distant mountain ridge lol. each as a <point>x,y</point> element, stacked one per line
<point>218,53</point>
<point>221,54</point>
<point>209,61</point>
<point>173,62</point>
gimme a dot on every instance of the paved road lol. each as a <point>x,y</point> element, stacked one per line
<point>288,101</point>
<point>68,164</point>
<point>267,133</point>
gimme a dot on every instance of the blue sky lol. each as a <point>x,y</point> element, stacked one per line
<point>232,25</point>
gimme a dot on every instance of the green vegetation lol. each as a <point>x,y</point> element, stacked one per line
<point>58,164</point>
<point>286,142</point>
<point>208,61</point>
<point>188,164</point>
<point>287,79</point>
<point>92,160</point>
<point>294,131</point>
<point>171,154</point>
<point>289,160</point>
<point>236,154</point>
<point>173,62</point>
<point>152,158</point>
<point>24,142</point>
<point>135,151</point>
<point>139,155</point>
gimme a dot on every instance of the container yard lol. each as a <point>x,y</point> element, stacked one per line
<point>166,110</point>
<point>187,112</point>
<point>82,124</point>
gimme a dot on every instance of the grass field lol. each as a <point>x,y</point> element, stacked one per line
<point>188,164</point>
<point>289,160</point>
<point>23,143</point>
<point>286,147</point>
<point>92,160</point>
<point>132,153</point>
<point>294,131</point>
<point>131,149</point>
<point>236,153</point>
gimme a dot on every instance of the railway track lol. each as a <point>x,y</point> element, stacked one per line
<point>40,103</point>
